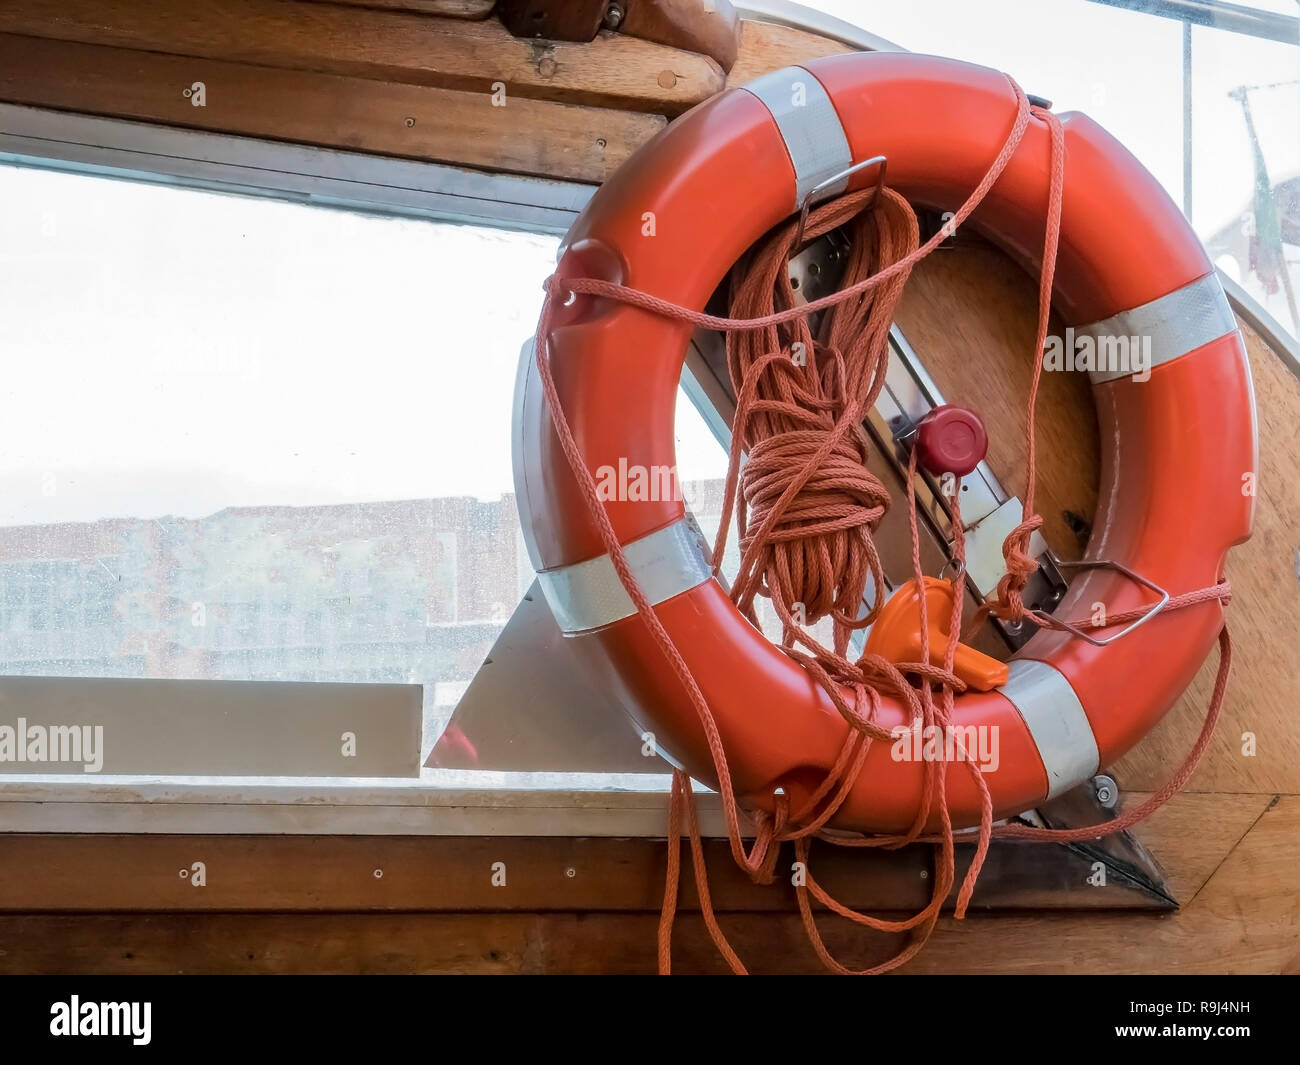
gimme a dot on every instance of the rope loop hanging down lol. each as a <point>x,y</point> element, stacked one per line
<point>806,507</point>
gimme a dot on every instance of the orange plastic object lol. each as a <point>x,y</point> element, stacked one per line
<point>716,180</point>
<point>896,635</point>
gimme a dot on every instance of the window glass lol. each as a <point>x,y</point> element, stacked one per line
<point>246,439</point>
<point>1238,179</point>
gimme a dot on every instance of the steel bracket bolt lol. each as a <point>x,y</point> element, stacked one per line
<point>1107,791</point>
<point>613,17</point>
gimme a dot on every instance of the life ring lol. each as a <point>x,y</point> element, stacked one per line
<point>1179,449</point>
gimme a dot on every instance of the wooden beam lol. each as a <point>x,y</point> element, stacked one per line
<point>468,9</point>
<point>142,872</point>
<point>500,943</point>
<point>1248,928</point>
<point>555,20</point>
<point>707,27</point>
<point>1244,919</point>
<point>445,125</point>
<point>765,47</point>
<point>611,71</point>
<point>710,27</point>
<point>440,873</point>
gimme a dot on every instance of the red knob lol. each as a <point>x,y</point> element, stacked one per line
<point>951,440</point>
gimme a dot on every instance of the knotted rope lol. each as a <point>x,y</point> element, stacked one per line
<point>806,507</point>
<point>809,505</point>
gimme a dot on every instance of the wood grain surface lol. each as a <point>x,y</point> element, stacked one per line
<point>390,118</point>
<point>612,70</point>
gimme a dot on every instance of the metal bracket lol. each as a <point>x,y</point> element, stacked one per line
<point>831,182</point>
<point>1106,563</point>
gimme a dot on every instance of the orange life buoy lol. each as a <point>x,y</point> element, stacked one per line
<point>1179,449</point>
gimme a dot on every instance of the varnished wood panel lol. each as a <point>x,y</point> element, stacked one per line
<point>710,27</point>
<point>1264,695</point>
<point>1245,918</point>
<point>765,47</point>
<point>577,20</point>
<point>706,27</point>
<point>155,873</point>
<point>473,9</point>
<point>529,136</point>
<point>1193,835</point>
<point>461,873</point>
<point>970,314</point>
<point>394,46</point>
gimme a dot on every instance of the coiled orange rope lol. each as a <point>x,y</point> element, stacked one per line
<point>806,507</point>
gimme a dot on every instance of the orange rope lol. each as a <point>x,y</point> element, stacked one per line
<point>806,507</point>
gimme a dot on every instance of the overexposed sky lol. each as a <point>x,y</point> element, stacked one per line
<point>1124,69</point>
<point>172,351</point>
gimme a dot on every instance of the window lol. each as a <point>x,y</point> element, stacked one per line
<point>248,439</point>
<point>1206,95</point>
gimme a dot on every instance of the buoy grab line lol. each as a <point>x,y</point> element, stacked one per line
<point>805,507</point>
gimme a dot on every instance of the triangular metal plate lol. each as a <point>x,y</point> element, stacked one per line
<point>534,707</point>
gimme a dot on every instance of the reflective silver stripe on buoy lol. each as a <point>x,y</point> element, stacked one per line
<point>810,126</point>
<point>1056,721</point>
<point>589,595</point>
<point>1168,328</point>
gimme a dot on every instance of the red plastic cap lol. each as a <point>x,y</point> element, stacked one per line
<point>951,440</point>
